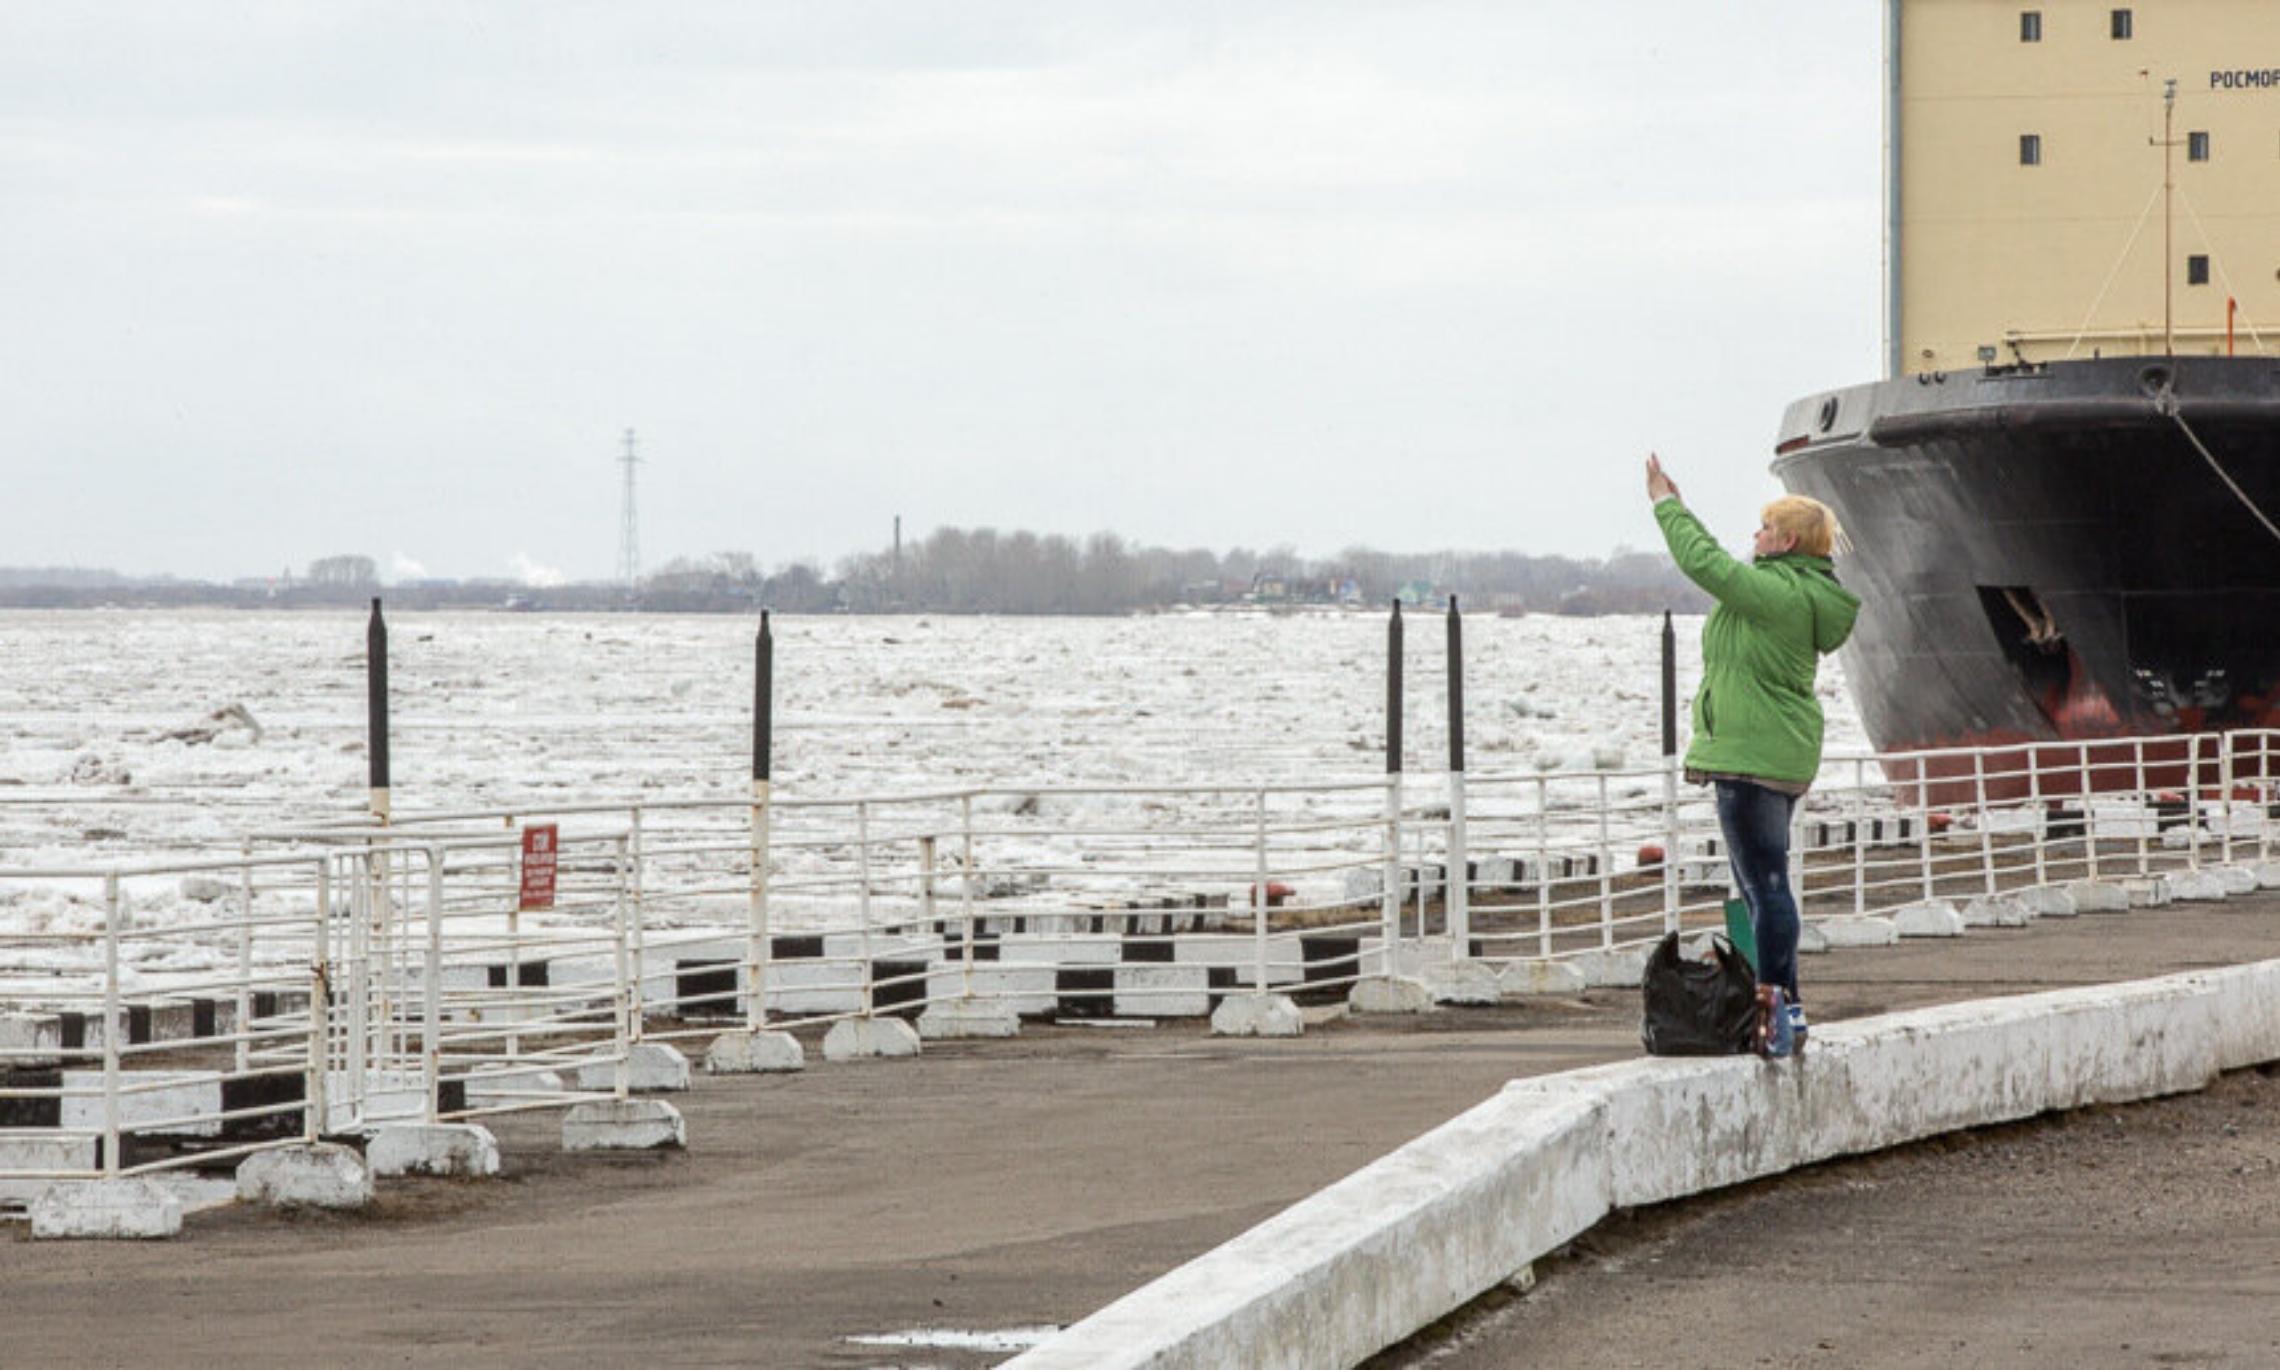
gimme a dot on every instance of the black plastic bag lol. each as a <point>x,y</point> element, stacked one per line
<point>1699,1008</point>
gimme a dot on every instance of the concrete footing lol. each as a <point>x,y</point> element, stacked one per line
<point>1859,930</point>
<point>1995,911</point>
<point>2201,884</point>
<point>755,1053</point>
<point>853,1039</point>
<point>132,1209</point>
<point>2267,875</point>
<point>1257,1015</point>
<point>651,1068</point>
<point>624,1125</point>
<point>1928,918</point>
<point>2149,892</point>
<point>1461,982</point>
<point>1612,967</point>
<point>955,1018</point>
<point>2049,901</point>
<point>432,1149</point>
<point>309,1175</point>
<point>1527,979</point>
<point>2237,879</point>
<point>2099,896</point>
<point>1811,941</point>
<point>1389,994</point>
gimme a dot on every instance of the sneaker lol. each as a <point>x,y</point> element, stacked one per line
<point>1796,1026</point>
<point>1774,1039</point>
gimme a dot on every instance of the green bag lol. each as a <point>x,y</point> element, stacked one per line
<point>1741,931</point>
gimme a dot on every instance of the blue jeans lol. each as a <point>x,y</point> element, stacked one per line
<point>1755,821</point>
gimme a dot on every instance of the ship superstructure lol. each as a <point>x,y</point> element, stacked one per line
<point>2064,498</point>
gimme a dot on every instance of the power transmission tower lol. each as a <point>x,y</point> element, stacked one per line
<point>629,522</point>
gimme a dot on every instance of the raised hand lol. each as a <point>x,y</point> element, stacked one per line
<point>1659,485</point>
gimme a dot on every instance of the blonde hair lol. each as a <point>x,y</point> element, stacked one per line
<point>1807,520</point>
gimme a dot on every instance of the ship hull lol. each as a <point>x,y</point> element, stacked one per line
<point>2046,557</point>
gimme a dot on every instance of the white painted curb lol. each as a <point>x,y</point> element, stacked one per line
<point>1367,1262</point>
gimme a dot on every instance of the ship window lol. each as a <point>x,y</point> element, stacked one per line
<point>2196,270</point>
<point>2030,26</point>
<point>2030,149</point>
<point>2122,26</point>
<point>2197,147</point>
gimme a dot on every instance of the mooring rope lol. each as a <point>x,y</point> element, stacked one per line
<point>2166,402</point>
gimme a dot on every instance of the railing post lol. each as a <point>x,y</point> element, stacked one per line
<point>2145,801</point>
<point>1670,772</point>
<point>243,1053</point>
<point>1860,835</point>
<point>514,957</point>
<point>1394,706</point>
<point>1797,870</point>
<point>1670,843</point>
<point>1389,914</point>
<point>2265,794</point>
<point>759,949</point>
<point>2089,816</point>
<point>2193,802</point>
<point>1543,868</point>
<point>2041,829</point>
<point>1259,894</point>
<point>966,896</point>
<point>863,895</point>
<point>320,1010</point>
<point>1457,888</point>
<point>628,995</point>
<point>1924,820</point>
<point>926,880</point>
<point>1606,872</point>
<point>2225,781</point>
<point>362,1034</point>
<point>1979,802</point>
<point>639,946</point>
<point>113,1021</point>
<point>431,1025</point>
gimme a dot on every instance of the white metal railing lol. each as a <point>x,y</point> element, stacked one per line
<point>337,976</point>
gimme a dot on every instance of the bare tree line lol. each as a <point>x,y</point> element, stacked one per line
<point>981,570</point>
<point>954,571</point>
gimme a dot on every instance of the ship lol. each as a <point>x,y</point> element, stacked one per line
<point>2062,501</point>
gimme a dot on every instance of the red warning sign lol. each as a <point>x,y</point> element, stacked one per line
<point>538,850</point>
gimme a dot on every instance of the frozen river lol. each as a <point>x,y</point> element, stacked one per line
<point>105,715</point>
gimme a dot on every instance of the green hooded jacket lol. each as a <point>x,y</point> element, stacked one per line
<point>1756,713</point>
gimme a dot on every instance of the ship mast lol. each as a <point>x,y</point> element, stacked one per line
<point>2168,217</point>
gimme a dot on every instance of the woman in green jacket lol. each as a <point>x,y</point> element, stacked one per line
<point>1757,720</point>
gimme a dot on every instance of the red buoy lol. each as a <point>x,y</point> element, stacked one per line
<point>1650,855</point>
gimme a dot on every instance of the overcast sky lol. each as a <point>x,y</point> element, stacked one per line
<point>279,280</point>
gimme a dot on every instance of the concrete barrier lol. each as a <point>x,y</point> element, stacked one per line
<point>1407,1239</point>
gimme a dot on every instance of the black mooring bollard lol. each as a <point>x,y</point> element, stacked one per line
<point>1456,687</point>
<point>1669,687</point>
<point>376,708</point>
<point>1393,692</point>
<point>763,701</point>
